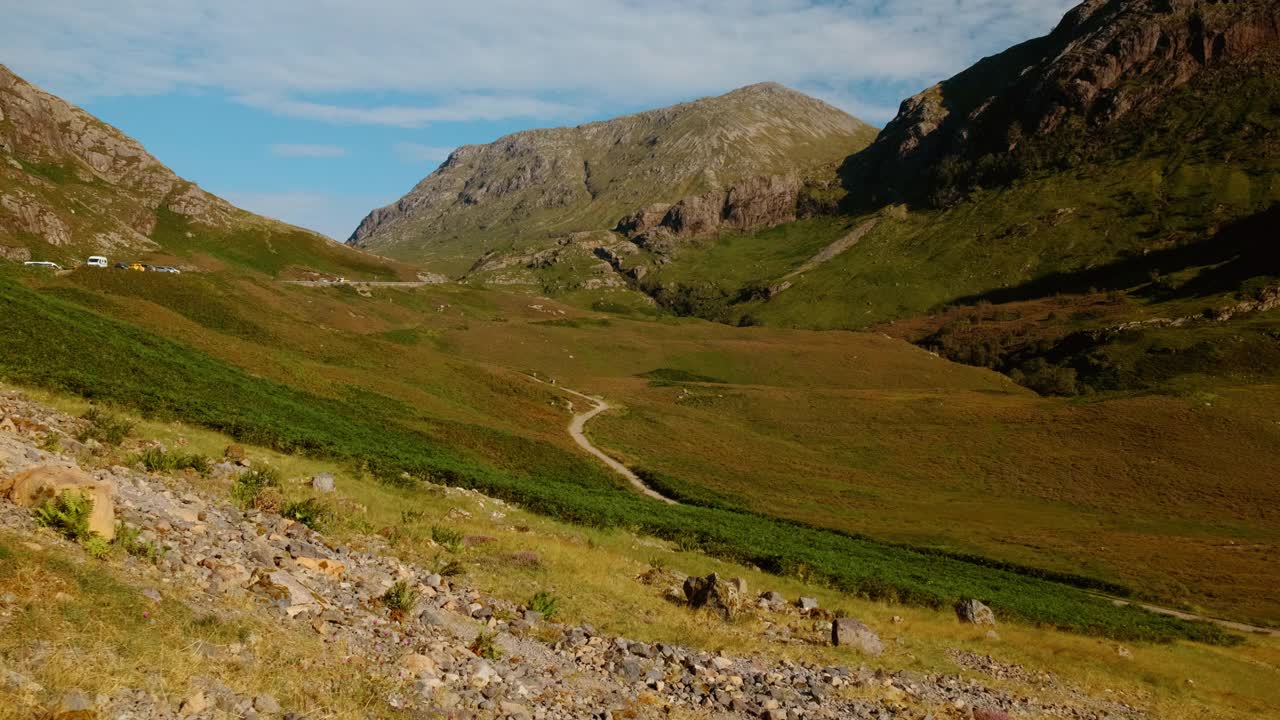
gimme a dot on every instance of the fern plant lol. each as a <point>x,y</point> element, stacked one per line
<point>68,513</point>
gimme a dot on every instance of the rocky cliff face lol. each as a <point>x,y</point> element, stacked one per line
<point>532,187</point>
<point>1105,59</point>
<point>754,203</point>
<point>67,179</point>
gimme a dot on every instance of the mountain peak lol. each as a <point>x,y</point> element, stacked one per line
<point>531,186</point>
<point>1105,59</point>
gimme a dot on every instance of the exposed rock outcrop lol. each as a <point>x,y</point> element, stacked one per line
<point>1105,59</point>
<point>754,203</point>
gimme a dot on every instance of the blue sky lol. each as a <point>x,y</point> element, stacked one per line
<point>316,111</point>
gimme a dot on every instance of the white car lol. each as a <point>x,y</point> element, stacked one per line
<point>42,264</point>
<point>96,261</point>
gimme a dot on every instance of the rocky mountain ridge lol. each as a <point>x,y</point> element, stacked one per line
<point>50,146</point>
<point>72,185</point>
<point>530,187</point>
<point>1105,59</point>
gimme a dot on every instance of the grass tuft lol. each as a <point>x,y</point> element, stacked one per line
<point>106,427</point>
<point>544,603</point>
<point>400,597</point>
<point>312,512</point>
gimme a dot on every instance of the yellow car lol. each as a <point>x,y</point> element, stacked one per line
<point>138,266</point>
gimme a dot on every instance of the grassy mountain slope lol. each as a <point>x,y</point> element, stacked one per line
<point>820,428</point>
<point>526,189</point>
<point>71,186</point>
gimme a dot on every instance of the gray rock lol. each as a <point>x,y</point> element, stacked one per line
<point>849,632</point>
<point>975,613</point>
<point>714,593</point>
<point>807,603</point>
<point>266,703</point>
<point>323,483</point>
<point>76,704</point>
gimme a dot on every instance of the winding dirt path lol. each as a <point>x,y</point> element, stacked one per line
<point>1182,615</point>
<point>576,430</point>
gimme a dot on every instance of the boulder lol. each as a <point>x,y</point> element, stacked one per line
<point>807,603</point>
<point>975,613</point>
<point>289,594</point>
<point>773,597</point>
<point>323,566</point>
<point>37,486</point>
<point>323,483</point>
<point>266,704</point>
<point>711,592</point>
<point>852,633</point>
<point>417,665</point>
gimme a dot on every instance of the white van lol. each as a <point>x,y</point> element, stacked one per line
<point>97,261</point>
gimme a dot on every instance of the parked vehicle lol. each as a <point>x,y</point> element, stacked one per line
<point>166,269</point>
<point>138,267</point>
<point>96,261</point>
<point>121,266</point>
<point>42,264</point>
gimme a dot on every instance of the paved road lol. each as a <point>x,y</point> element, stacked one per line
<point>579,423</point>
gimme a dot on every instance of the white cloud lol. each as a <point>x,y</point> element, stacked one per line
<point>432,61</point>
<point>415,153</point>
<point>330,214</point>
<point>463,108</point>
<point>308,151</point>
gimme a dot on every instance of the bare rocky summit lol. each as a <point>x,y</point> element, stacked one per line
<point>527,189</point>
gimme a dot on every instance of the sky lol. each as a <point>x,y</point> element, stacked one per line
<point>317,111</point>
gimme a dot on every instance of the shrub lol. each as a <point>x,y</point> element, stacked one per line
<point>105,427</point>
<point>129,538</point>
<point>1046,378</point>
<point>544,603</point>
<point>68,513</point>
<point>485,646</point>
<point>453,568</point>
<point>156,459</point>
<point>249,487</point>
<point>400,597</point>
<point>312,512</point>
<point>448,538</point>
